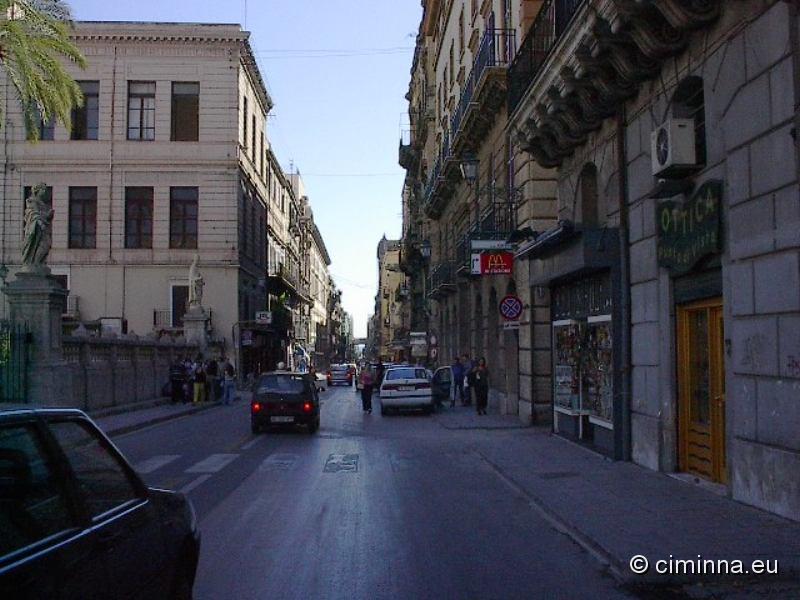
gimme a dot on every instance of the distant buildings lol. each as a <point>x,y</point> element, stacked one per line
<point>168,158</point>
<point>389,324</point>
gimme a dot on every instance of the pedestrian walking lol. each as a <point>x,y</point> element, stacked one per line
<point>481,386</point>
<point>367,383</point>
<point>199,378</point>
<point>212,373</point>
<point>469,380</point>
<point>458,378</point>
<point>228,384</point>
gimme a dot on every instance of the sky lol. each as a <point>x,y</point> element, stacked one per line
<point>337,71</point>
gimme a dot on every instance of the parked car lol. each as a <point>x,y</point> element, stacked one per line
<point>78,522</point>
<point>284,399</point>
<point>443,385</point>
<point>340,375</point>
<point>406,387</point>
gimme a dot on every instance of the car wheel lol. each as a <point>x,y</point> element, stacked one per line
<point>313,426</point>
<point>255,428</point>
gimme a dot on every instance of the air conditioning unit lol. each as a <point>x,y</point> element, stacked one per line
<point>673,148</point>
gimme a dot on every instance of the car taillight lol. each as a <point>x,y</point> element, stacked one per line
<point>308,407</point>
<point>423,386</point>
<point>256,407</point>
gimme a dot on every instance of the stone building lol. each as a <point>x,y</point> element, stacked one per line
<point>654,168</point>
<point>389,327</point>
<point>168,158</point>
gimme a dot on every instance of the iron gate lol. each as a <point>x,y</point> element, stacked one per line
<point>15,340</point>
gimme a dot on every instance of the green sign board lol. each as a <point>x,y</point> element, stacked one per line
<point>689,231</point>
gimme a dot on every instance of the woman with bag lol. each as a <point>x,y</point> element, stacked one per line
<point>481,385</point>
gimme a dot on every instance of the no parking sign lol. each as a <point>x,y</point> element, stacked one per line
<point>511,308</point>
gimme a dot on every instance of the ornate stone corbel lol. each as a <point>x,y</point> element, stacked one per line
<point>687,15</point>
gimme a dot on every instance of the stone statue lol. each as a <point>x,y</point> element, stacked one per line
<point>38,218</point>
<point>196,284</point>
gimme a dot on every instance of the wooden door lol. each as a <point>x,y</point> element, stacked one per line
<point>701,389</point>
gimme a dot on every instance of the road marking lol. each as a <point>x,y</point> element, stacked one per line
<point>279,462</point>
<point>213,464</point>
<point>341,462</point>
<point>194,483</point>
<point>251,443</point>
<point>156,462</point>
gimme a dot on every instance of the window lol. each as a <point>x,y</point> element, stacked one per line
<point>452,62</point>
<point>244,121</point>
<point>185,112</point>
<point>138,217</point>
<point>102,481</point>
<point>588,189</point>
<point>45,129</point>
<point>261,156</point>
<point>142,110</point>
<point>86,119</point>
<point>33,505</point>
<point>405,373</point>
<point>82,217</point>
<point>183,217</point>
<point>253,140</point>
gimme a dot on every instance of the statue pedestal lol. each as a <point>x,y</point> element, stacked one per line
<point>37,300</point>
<point>194,327</point>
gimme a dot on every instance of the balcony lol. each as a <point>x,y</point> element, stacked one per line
<point>550,24</point>
<point>442,181</point>
<point>441,281</point>
<point>281,276</point>
<point>484,91</point>
<point>496,225</point>
<point>408,153</point>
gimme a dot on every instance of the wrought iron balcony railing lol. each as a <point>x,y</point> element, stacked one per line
<point>550,24</point>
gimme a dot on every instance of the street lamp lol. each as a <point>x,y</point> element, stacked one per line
<point>425,249</point>
<point>469,169</point>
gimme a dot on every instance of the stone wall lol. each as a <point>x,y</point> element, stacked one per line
<point>105,372</point>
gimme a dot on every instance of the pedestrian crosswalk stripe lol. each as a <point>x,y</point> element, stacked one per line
<point>212,464</point>
<point>156,462</point>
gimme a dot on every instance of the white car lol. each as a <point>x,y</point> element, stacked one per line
<point>406,387</point>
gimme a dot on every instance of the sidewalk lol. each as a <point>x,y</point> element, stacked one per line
<point>152,413</point>
<point>466,417</point>
<point>617,510</point>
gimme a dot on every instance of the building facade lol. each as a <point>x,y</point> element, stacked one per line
<point>652,175</point>
<point>167,159</point>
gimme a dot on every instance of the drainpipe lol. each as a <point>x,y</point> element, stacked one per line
<point>625,298</point>
<point>111,182</point>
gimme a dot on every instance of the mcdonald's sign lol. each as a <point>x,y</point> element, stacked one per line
<point>497,263</point>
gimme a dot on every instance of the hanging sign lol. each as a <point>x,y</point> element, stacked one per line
<point>511,308</point>
<point>689,231</point>
<point>497,263</point>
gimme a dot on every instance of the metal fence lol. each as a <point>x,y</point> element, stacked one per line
<point>15,341</point>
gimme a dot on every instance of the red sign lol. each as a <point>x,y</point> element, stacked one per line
<point>497,263</point>
<point>511,308</point>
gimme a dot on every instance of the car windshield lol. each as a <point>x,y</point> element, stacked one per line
<point>406,373</point>
<point>281,384</point>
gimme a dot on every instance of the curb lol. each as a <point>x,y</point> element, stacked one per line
<point>620,569</point>
<point>123,429</point>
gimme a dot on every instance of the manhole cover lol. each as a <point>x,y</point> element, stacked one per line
<point>557,475</point>
<point>341,462</point>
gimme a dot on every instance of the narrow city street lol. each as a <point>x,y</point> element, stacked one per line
<point>369,507</point>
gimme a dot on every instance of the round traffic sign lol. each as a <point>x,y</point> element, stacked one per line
<point>511,308</point>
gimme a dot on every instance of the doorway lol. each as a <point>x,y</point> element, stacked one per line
<point>701,389</point>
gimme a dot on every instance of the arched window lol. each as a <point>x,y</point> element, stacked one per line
<point>588,189</point>
<point>688,102</point>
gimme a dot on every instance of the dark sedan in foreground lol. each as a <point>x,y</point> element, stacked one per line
<point>76,521</point>
<point>284,399</point>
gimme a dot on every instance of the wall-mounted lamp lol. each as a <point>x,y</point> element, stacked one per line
<point>425,249</point>
<point>469,170</point>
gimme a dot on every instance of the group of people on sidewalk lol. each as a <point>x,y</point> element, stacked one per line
<point>471,377</point>
<point>199,380</point>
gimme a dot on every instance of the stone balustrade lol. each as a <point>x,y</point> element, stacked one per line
<point>111,371</point>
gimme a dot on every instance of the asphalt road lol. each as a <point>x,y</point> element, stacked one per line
<point>369,507</point>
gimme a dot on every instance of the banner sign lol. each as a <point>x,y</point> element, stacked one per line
<point>477,245</point>
<point>690,231</point>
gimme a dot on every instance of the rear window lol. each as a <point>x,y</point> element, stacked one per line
<point>409,373</point>
<point>282,384</point>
